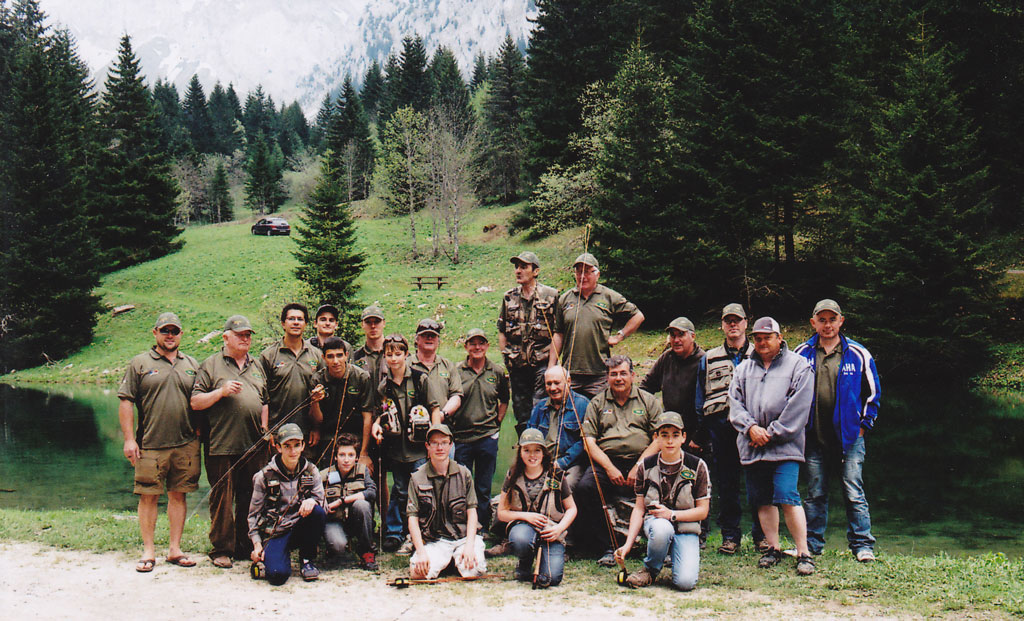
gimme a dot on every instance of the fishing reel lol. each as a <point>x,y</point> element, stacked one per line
<point>620,578</point>
<point>400,583</point>
<point>540,581</point>
<point>419,424</point>
<point>258,571</point>
<point>389,419</point>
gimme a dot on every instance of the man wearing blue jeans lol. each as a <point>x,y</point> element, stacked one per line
<point>769,404</point>
<point>845,406</point>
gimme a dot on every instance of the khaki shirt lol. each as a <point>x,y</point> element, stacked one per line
<point>622,432</point>
<point>160,390</point>
<point>234,419</point>
<point>527,323</point>
<point>585,327</point>
<point>405,397</point>
<point>825,385</point>
<point>373,363</point>
<point>290,380</point>
<point>448,501</point>
<point>350,396</point>
<point>477,418</point>
<point>443,374</point>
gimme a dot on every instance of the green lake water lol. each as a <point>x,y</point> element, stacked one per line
<point>944,468</point>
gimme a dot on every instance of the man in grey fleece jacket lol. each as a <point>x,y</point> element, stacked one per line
<point>769,404</point>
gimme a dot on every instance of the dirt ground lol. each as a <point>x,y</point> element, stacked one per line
<point>39,582</point>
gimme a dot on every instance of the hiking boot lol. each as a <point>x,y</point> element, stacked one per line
<point>865,555</point>
<point>369,561</point>
<point>309,571</point>
<point>501,549</point>
<point>642,578</point>
<point>729,547</point>
<point>761,545</point>
<point>770,558</point>
<point>406,549</point>
<point>608,560</point>
<point>391,544</point>
<point>805,565</point>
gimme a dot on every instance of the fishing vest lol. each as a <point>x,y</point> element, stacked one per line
<point>528,334</point>
<point>275,505</point>
<point>337,487</point>
<point>548,501</point>
<point>680,495</point>
<point>450,510</point>
<point>718,377</point>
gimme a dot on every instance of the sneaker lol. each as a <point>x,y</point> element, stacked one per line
<point>770,558</point>
<point>761,545</point>
<point>523,576</point>
<point>642,578</point>
<point>865,555</point>
<point>309,571</point>
<point>391,544</point>
<point>608,560</point>
<point>729,547</point>
<point>406,549</point>
<point>369,561</point>
<point>805,565</point>
<point>790,552</point>
<point>501,549</point>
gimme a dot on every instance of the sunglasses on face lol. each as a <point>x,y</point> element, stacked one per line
<point>170,330</point>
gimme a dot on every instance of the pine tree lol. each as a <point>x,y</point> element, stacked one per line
<point>171,132</point>
<point>414,85</point>
<point>373,89</point>
<point>479,72</point>
<point>505,147</point>
<point>350,147</point>
<point>222,121</point>
<point>221,205</point>
<point>390,93</point>
<point>448,89</point>
<point>264,191</point>
<point>318,133</point>
<point>137,222</point>
<point>403,172</point>
<point>294,129</point>
<point>197,117</point>
<point>922,240</point>
<point>329,260</point>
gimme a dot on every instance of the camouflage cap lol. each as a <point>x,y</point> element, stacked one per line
<point>167,319</point>
<point>532,436</point>
<point>587,259</point>
<point>427,326</point>
<point>682,324</point>
<point>734,309</point>
<point>526,257</point>
<point>668,418</point>
<point>237,323</point>
<point>327,308</point>
<point>371,311</point>
<point>766,325</point>
<point>827,305</point>
<point>291,431</point>
<point>476,333</point>
<point>439,428</point>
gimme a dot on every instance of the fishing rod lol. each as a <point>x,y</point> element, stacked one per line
<point>405,583</point>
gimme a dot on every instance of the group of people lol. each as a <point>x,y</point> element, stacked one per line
<point>298,442</point>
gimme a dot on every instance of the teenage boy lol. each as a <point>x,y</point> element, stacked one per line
<point>325,322</point>
<point>442,513</point>
<point>344,404</point>
<point>286,510</point>
<point>350,493</point>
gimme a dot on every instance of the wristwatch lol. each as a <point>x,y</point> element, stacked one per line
<point>671,516</point>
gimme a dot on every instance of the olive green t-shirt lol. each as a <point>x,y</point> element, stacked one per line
<point>477,417</point>
<point>826,374</point>
<point>290,380</point>
<point>585,327</point>
<point>160,390</point>
<point>443,374</point>
<point>350,395</point>
<point>406,395</point>
<point>373,363</point>
<point>234,419</point>
<point>622,432</point>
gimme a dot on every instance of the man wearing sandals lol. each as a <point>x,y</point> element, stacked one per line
<point>164,448</point>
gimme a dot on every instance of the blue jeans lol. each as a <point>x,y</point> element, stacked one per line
<point>395,524</point>
<point>524,538</point>
<point>481,457</point>
<point>661,535</point>
<point>304,535</point>
<point>820,464</point>
<point>725,479</point>
<point>359,524</point>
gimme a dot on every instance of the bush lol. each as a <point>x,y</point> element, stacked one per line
<point>562,200</point>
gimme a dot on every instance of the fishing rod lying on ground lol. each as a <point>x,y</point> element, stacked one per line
<point>405,583</point>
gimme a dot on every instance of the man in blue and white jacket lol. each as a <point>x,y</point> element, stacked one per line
<point>846,399</point>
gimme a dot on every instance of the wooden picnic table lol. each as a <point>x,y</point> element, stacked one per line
<point>419,281</point>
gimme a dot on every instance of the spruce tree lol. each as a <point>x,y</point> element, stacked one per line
<point>479,72</point>
<point>414,85</point>
<point>390,93</point>
<point>294,129</point>
<point>171,133</point>
<point>373,89</point>
<point>403,171</point>
<point>222,121</point>
<point>264,191</point>
<point>137,221</point>
<point>197,117</point>
<point>329,260</point>
<point>504,150</point>
<point>221,205</point>
<point>448,89</point>
<point>350,147</point>
<point>318,132</point>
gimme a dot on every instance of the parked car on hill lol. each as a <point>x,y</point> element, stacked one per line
<point>272,226</point>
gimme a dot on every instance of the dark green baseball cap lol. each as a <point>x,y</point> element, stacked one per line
<point>371,311</point>
<point>526,257</point>
<point>587,259</point>
<point>734,309</point>
<point>682,324</point>
<point>669,418</point>
<point>327,308</point>
<point>290,431</point>
<point>167,319</point>
<point>476,333</point>
<point>238,323</point>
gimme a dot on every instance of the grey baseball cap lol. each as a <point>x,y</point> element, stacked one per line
<point>290,431</point>
<point>682,324</point>
<point>237,323</point>
<point>669,418</point>
<point>827,305</point>
<point>734,309</point>
<point>526,257</point>
<point>532,436</point>
<point>766,325</point>
<point>587,259</point>
<point>167,319</point>
<point>371,311</point>
<point>476,333</point>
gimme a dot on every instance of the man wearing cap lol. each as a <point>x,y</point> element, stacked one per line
<point>370,358</point>
<point>232,392</point>
<point>164,448</point>
<point>769,403</point>
<point>845,406</point>
<point>714,374</point>
<point>325,323</point>
<point>442,513</point>
<point>439,370</point>
<point>559,417</point>
<point>344,405</point>
<point>617,433</point>
<point>288,366</point>
<point>485,397</point>
<point>525,323</point>
<point>583,324</point>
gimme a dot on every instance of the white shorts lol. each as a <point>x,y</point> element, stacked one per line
<point>441,552</point>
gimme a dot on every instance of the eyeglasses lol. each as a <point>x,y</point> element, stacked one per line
<point>732,320</point>
<point>170,330</point>
<point>439,443</point>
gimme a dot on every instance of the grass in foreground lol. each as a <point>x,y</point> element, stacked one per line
<point>988,585</point>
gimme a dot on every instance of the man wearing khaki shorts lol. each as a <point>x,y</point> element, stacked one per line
<point>164,448</point>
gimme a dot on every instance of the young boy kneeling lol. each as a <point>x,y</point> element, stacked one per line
<point>351,494</point>
<point>442,513</point>
<point>673,491</point>
<point>286,510</point>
